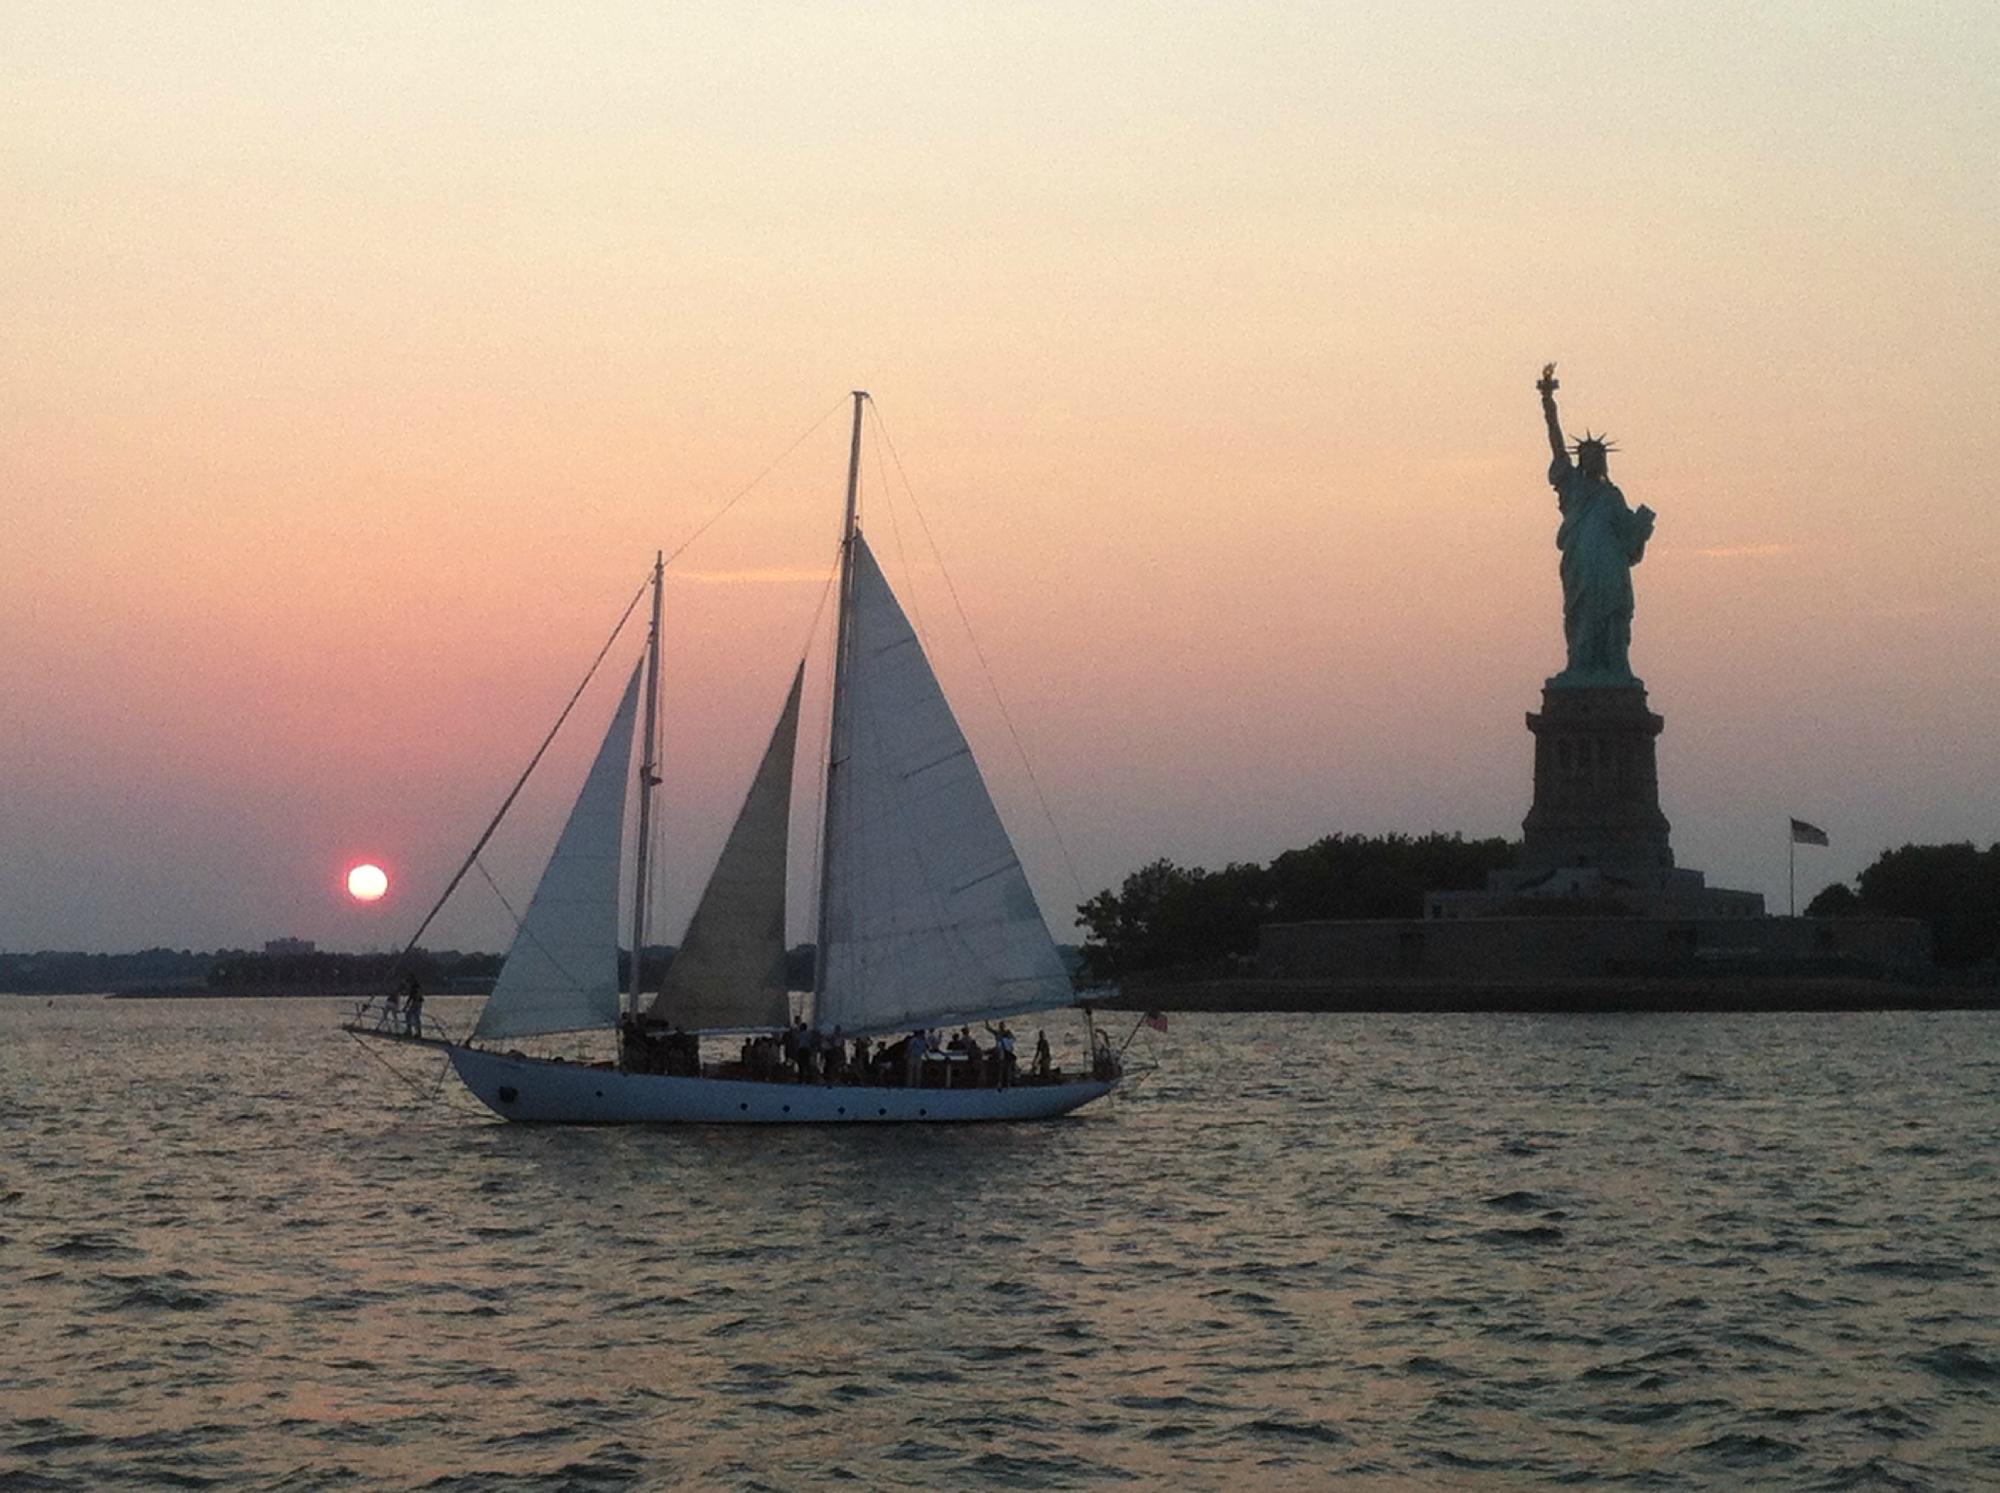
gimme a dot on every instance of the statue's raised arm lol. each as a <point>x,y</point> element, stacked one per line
<point>1548,386</point>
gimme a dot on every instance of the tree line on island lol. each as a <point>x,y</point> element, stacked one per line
<point>1185,918</point>
<point>1163,917</point>
<point>1191,921</point>
<point>1953,888</point>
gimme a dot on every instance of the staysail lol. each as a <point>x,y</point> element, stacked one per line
<point>928,918</point>
<point>561,975</point>
<point>730,968</point>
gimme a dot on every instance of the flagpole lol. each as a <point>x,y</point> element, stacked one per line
<point>1792,868</point>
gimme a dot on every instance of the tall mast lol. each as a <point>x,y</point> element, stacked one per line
<point>836,736</point>
<point>649,778</point>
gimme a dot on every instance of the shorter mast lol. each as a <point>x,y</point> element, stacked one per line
<point>836,744</point>
<point>649,779</point>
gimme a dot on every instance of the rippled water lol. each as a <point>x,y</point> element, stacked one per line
<point>1651,1251</point>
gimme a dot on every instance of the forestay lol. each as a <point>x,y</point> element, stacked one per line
<point>729,971</point>
<point>561,975</point>
<point>929,918</point>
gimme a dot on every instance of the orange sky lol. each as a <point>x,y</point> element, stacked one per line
<point>358,358</point>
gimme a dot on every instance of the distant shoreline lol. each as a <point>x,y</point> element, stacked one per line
<point>282,993</point>
<point>1396,997</point>
<point>230,992</point>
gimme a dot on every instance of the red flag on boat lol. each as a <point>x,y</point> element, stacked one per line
<point>1155,1020</point>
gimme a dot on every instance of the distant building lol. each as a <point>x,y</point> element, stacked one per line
<point>288,946</point>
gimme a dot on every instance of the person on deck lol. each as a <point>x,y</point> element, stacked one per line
<point>1042,1056</point>
<point>913,1059</point>
<point>1003,1055</point>
<point>967,1047</point>
<point>889,1060</point>
<point>413,1009</point>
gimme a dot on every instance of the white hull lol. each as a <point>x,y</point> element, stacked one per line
<point>541,1091</point>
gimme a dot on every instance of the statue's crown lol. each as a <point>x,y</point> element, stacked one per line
<point>1599,443</point>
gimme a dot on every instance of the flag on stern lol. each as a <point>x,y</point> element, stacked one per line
<point>1807,834</point>
<point>1154,1020</point>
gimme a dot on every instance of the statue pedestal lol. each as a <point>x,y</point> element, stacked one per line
<point>1597,784</point>
<point>1595,843</point>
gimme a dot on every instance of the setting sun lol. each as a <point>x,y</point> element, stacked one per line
<point>367,883</point>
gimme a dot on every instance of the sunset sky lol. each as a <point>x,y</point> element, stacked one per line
<point>358,357</point>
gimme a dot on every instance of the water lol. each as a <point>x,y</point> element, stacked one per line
<point>1652,1252</point>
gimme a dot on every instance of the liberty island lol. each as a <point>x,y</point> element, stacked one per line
<point>1595,913</point>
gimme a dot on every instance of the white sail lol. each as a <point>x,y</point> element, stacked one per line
<point>561,975</point>
<point>729,971</point>
<point>928,916</point>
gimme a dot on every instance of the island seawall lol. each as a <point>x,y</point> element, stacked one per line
<point>1572,996</point>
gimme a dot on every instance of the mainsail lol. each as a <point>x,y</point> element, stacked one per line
<point>928,915</point>
<point>561,975</point>
<point>730,968</point>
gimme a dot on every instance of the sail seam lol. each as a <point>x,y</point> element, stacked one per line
<point>964,751</point>
<point>966,886</point>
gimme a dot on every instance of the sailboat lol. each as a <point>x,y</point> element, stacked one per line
<point>925,919</point>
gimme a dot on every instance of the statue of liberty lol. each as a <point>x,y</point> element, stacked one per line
<point>1601,540</point>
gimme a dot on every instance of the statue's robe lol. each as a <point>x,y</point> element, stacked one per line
<point>1601,539</point>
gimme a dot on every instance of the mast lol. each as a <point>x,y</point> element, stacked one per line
<point>836,736</point>
<point>649,779</point>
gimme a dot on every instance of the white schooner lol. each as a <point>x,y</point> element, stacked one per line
<point>925,918</point>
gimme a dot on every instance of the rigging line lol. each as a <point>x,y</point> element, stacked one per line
<point>896,530</point>
<point>745,491</point>
<point>521,927</point>
<point>437,1089</point>
<point>488,875</point>
<point>534,761</point>
<point>1069,862</point>
<point>413,1085</point>
<point>819,608</point>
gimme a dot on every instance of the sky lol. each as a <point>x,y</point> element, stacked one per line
<point>358,358</point>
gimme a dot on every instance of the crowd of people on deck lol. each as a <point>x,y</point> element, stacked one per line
<point>651,1049</point>
<point>926,1058</point>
